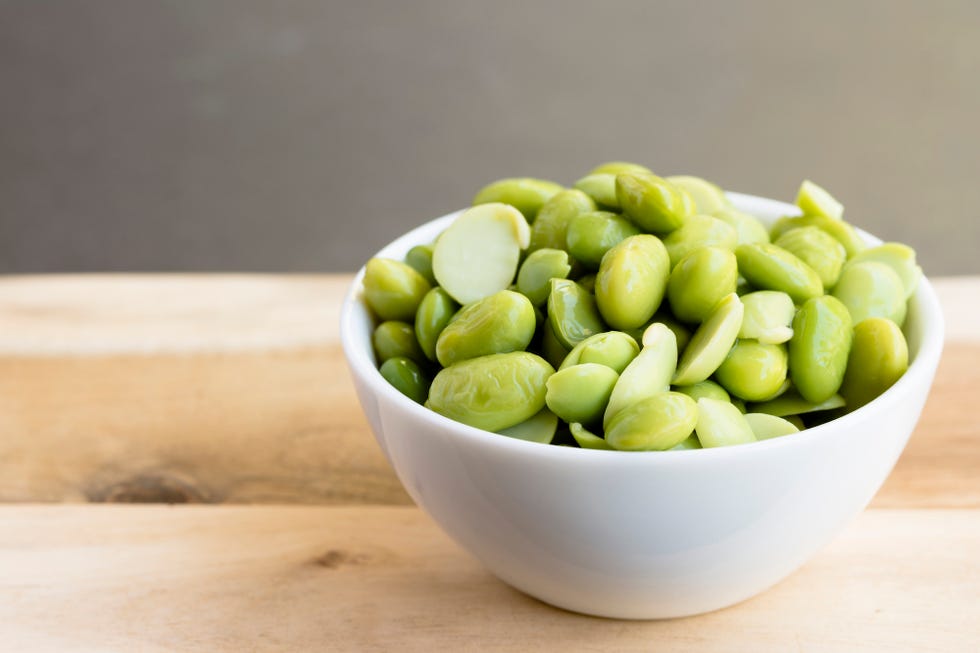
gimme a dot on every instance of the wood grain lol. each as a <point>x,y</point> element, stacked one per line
<point>233,388</point>
<point>210,578</point>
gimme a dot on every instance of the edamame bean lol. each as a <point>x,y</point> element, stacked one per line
<point>614,349</point>
<point>791,403</point>
<point>707,197</point>
<point>818,249</point>
<point>879,357</point>
<point>748,228</point>
<point>477,254</point>
<point>420,258</point>
<point>766,427</point>
<point>538,269</point>
<point>591,235</point>
<point>550,228</point>
<point>617,167</point>
<point>553,351</point>
<point>768,317</point>
<point>525,194</point>
<point>601,187</point>
<point>769,267</point>
<point>699,281</point>
<point>872,289</point>
<point>690,442</point>
<point>657,423</point>
<point>396,339</point>
<point>899,257</point>
<point>586,439</point>
<point>572,313</point>
<point>407,377</point>
<point>648,374</point>
<point>435,311</point>
<point>699,231</point>
<point>587,281</point>
<point>631,281</point>
<point>540,428</point>
<point>580,393</point>
<point>491,392</point>
<point>704,389</point>
<point>711,342</point>
<point>819,348</point>
<point>840,230</point>
<point>393,289</point>
<point>720,424</point>
<point>501,323</point>
<point>753,371</point>
<point>654,204</point>
<point>814,200</point>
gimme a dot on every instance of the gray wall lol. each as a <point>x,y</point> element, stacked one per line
<point>230,135</point>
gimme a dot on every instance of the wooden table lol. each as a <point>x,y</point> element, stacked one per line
<point>232,390</point>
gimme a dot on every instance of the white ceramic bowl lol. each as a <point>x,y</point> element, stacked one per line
<point>650,534</point>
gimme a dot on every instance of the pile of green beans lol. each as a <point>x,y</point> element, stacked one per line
<point>636,313</point>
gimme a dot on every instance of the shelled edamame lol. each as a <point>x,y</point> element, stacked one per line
<point>635,312</point>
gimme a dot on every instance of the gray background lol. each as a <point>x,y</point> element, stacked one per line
<point>281,136</point>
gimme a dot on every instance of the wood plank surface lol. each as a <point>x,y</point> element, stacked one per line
<point>233,388</point>
<point>237,578</point>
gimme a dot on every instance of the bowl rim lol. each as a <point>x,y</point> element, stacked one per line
<point>362,364</point>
